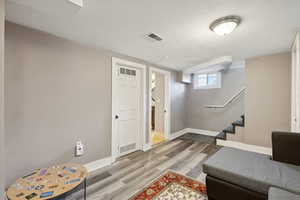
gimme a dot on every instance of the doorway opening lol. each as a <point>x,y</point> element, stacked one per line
<point>159,111</point>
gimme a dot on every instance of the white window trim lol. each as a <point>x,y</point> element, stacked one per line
<point>216,86</point>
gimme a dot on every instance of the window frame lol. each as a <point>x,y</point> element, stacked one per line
<point>214,86</point>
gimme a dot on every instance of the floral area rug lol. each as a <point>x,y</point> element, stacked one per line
<point>172,186</point>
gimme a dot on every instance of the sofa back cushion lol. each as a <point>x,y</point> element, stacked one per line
<point>286,147</point>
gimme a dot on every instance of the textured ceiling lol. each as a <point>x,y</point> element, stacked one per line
<point>268,26</point>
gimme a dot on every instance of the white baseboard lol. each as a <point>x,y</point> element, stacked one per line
<point>201,132</point>
<point>192,130</point>
<point>246,147</point>
<point>92,166</point>
<point>146,147</point>
<point>177,134</point>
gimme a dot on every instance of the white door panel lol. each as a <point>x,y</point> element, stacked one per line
<point>129,102</point>
<point>128,126</point>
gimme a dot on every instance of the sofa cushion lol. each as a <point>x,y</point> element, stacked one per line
<point>279,194</point>
<point>252,170</point>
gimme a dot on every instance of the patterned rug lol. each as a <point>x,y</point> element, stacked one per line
<point>173,186</point>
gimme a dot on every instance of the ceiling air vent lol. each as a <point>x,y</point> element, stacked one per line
<point>154,37</point>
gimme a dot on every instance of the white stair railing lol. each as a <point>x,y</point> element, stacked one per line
<point>235,97</point>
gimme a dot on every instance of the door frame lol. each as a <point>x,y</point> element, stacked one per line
<point>295,95</point>
<point>167,101</point>
<point>142,135</point>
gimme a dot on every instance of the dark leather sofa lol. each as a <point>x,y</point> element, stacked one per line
<point>241,175</point>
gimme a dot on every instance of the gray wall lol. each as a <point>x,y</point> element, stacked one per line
<point>268,97</point>
<point>178,104</point>
<point>58,92</point>
<point>200,117</point>
<point>2,159</point>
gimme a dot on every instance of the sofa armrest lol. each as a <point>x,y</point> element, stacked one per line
<point>286,147</point>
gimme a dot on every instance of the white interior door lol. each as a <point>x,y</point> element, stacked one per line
<point>128,115</point>
<point>295,104</point>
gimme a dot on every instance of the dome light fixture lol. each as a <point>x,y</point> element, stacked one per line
<point>225,25</point>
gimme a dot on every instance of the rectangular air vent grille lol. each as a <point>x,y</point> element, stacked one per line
<point>154,37</point>
<point>127,71</point>
<point>127,148</point>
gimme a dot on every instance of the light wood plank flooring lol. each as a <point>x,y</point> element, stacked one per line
<point>135,171</point>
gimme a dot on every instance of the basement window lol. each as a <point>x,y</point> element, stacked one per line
<point>207,80</point>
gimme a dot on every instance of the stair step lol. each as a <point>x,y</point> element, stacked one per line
<point>238,123</point>
<point>221,136</point>
<point>229,129</point>
<point>243,116</point>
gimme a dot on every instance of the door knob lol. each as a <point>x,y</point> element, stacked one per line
<point>117,117</point>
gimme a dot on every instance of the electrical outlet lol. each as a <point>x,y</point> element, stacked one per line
<point>79,149</point>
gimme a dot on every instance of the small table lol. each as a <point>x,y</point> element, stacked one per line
<point>48,183</point>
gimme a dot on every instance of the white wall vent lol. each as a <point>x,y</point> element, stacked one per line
<point>127,147</point>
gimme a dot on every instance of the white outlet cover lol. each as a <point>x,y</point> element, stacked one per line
<point>77,2</point>
<point>79,149</point>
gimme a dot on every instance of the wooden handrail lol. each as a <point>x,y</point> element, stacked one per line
<point>236,96</point>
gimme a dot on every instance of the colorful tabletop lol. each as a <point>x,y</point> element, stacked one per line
<point>48,183</point>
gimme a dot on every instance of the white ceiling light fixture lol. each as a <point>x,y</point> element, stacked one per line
<point>225,25</point>
<point>77,2</point>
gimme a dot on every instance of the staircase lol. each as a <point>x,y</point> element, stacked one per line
<point>232,129</point>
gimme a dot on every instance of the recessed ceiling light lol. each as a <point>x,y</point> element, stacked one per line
<point>225,25</point>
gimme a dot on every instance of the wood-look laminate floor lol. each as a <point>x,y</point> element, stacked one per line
<point>135,171</point>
